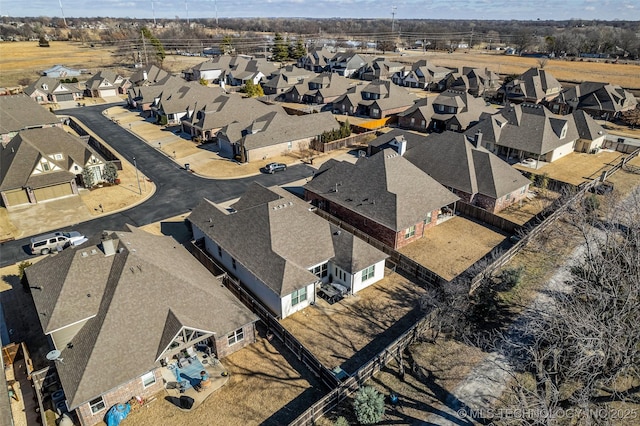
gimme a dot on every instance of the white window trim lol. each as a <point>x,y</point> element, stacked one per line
<point>297,296</point>
<point>145,377</point>
<point>95,402</point>
<point>237,336</point>
<point>368,273</point>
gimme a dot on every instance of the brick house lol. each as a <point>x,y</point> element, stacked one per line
<point>478,177</point>
<point>383,195</point>
<point>147,301</point>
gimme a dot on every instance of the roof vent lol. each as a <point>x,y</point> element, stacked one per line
<point>338,232</point>
<point>94,251</point>
<point>84,254</point>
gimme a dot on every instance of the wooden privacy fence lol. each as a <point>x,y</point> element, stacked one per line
<point>94,142</point>
<point>487,217</point>
<point>364,373</point>
<point>341,143</point>
<point>241,292</point>
<point>396,260</point>
<point>544,224</point>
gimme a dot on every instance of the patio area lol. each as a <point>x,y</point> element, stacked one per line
<point>183,379</point>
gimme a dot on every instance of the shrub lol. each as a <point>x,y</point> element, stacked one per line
<point>341,421</point>
<point>22,266</point>
<point>510,277</point>
<point>110,172</point>
<point>368,405</point>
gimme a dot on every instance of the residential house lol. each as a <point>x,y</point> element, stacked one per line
<point>451,110</point>
<point>321,89</point>
<point>205,122</point>
<point>52,90</point>
<point>45,164</point>
<point>475,81</point>
<point>536,85</point>
<point>384,196</point>
<point>600,100</point>
<point>150,74</point>
<point>173,105</point>
<point>379,69</point>
<point>281,251</point>
<point>273,134</point>
<point>392,139</point>
<point>60,71</point>
<point>346,64</point>
<point>146,302</point>
<point>379,99</point>
<point>213,70</point>
<point>106,84</point>
<point>144,98</point>
<point>317,60</point>
<point>20,112</point>
<point>424,75</point>
<point>478,177</point>
<point>283,79</point>
<point>254,70</point>
<point>532,131</point>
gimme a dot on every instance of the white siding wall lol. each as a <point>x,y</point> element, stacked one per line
<point>560,152</point>
<point>287,309</point>
<point>378,275</point>
<point>264,293</point>
<point>210,74</point>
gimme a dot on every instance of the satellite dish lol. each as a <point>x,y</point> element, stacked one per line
<point>54,355</point>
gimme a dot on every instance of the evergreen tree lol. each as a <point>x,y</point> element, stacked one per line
<point>87,178</point>
<point>368,405</point>
<point>297,50</point>
<point>110,172</point>
<point>252,89</point>
<point>280,49</point>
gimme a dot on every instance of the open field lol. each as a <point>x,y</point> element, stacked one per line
<point>26,59</point>
<point>451,247</point>
<point>626,75</point>
<point>351,332</point>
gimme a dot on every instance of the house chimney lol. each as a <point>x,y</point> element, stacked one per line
<point>144,75</point>
<point>108,244</point>
<point>477,139</point>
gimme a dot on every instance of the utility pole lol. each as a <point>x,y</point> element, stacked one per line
<point>186,8</point>
<point>62,11</point>
<point>393,16</point>
<point>153,11</point>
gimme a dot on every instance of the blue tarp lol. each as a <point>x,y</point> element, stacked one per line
<point>117,413</point>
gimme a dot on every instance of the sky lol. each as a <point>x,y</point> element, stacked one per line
<point>404,9</point>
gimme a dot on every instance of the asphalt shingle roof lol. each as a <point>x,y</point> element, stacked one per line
<point>20,112</point>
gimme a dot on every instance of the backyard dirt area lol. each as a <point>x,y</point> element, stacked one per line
<point>524,211</point>
<point>577,167</point>
<point>265,388</point>
<point>430,369</point>
<point>451,247</point>
<point>349,333</point>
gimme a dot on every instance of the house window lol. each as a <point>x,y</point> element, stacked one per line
<point>375,111</point>
<point>219,251</point>
<point>97,405</point>
<point>45,167</point>
<point>320,270</point>
<point>58,156</point>
<point>368,273</point>
<point>422,123</point>
<point>410,232</point>
<point>564,132</point>
<point>235,336</point>
<point>76,168</point>
<point>523,190</point>
<point>148,379</point>
<point>508,197</point>
<point>428,219</point>
<point>454,127</point>
<point>233,263</point>
<point>298,296</point>
<point>413,120</point>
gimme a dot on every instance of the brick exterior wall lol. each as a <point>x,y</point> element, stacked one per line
<point>119,395</point>
<point>376,230</point>
<point>405,122</point>
<point>222,347</point>
<point>494,206</point>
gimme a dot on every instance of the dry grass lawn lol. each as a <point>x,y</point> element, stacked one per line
<point>451,247</point>
<point>265,388</point>
<point>527,209</point>
<point>351,332</point>
<point>577,167</point>
<point>626,75</point>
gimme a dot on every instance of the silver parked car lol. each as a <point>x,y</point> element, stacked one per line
<point>45,244</point>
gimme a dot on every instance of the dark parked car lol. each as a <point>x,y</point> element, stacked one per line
<point>275,167</point>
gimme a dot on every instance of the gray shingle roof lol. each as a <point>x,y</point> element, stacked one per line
<point>133,299</point>
<point>527,127</point>
<point>23,152</point>
<point>385,188</point>
<point>275,236</point>
<point>599,96</point>
<point>451,159</point>
<point>21,112</point>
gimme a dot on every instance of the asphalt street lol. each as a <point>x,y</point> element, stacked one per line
<point>178,190</point>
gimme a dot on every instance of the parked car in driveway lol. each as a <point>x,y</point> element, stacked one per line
<point>45,244</point>
<point>275,167</point>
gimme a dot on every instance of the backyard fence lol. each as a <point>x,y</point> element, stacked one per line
<point>342,143</point>
<point>546,223</point>
<point>396,261</point>
<point>364,373</point>
<point>487,217</point>
<point>93,142</point>
<point>271,322</point>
